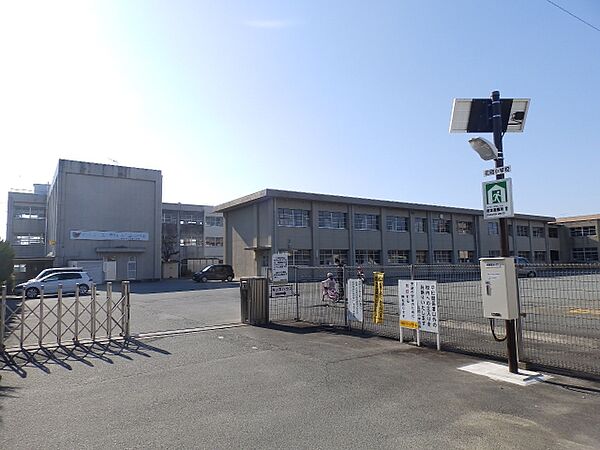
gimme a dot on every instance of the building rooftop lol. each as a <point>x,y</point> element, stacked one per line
<point>327,198</point>
<point>578,218</point>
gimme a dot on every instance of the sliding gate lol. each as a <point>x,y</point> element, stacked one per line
<point>53,321</point>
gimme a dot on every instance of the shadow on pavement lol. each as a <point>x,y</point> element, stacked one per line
<point>64,357</point>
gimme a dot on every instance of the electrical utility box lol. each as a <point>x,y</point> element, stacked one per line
<point>499,288</point>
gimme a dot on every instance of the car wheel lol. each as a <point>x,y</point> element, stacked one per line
<point>229,278</point>
<point>32,292</point>
<point>204,279</point>
<point>531,274</point>
<point>83,289</point>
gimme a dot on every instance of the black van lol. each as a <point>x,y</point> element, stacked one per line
<point>223,272</point>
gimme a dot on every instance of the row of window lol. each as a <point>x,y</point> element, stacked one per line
<point>339,221</point>
<point>583,231</point>
<point>197,242</point>
<point>330,257</point>
<point>585,254</point>
<point>192,219</point>
<point>29,212</point>
<point>29,239</point>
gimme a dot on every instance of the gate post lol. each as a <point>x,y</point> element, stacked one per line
<point>297,294</point>
<point>125,305</point>
<point>109,309</point>
<point>2,317</point>
<point>258,301</point>
<point>59,316</point>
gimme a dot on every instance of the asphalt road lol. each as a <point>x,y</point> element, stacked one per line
<point>253,387</point>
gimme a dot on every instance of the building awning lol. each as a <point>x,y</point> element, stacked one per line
<point>120,250</point>
<point>258,247</point>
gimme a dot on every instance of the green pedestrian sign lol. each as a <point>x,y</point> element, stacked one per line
<point>497,199</point>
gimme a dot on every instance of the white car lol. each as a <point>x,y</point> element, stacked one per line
<point>50,283</point>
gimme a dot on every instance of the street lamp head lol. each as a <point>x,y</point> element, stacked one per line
<point>484,148</point>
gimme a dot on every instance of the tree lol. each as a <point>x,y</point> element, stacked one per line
<point>7,256</point>
<point>169,244</point>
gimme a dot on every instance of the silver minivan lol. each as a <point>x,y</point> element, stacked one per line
<point>50,283</point>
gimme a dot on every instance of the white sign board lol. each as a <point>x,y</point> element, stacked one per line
<point>282,290</point>
<point>408,304</point>
<point>418,305</point>
<point>496,171</point>
<point>355,299</point>
<point>497,199</point>
<point>109,235</point>
<point>427,311</point>
<point>280,267</point>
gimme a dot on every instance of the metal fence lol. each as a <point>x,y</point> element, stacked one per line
<point>560,308</point>
<point>50,321</point>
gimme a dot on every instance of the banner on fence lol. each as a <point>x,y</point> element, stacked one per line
<point>280,267</point>
<point>418,305</point>
<point>282,290</point>
<point>378,298</point>
<point>355,299</point>
<point>408,305</point>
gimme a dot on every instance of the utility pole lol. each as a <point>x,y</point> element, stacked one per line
<point>511,341</point>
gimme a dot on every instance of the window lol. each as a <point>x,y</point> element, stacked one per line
<point>583,231</point>
<point>398,256</point>
<point>299,257</point>
<point>442,256</point>
<point>30,212</point>
<point>524,254</point>
<point>553,232</point>
<point>539,256</point>
<point>213,241</point>
<point>366,222</point>
<point>333,220</point>
<point>494,253</point>
<point>396,223</point>
<point>420,225</point>
<point>421,256</point>
<point>464,227</point>
<point>287,217</point>
<point>188,218</point>
<point>190,242</point>
<point>169,217</point>
<point>585,254</point>
<point>19,268</point>
<point>442,226</point>
<point>510,230</point>
<point>493,228</point>
<point>368,256</point>
<point>328,257</point>
<point>29,239</point>
<point>523,230</point>
<point>214,221</point>
<point>466,256</point>
<point>538,232</point>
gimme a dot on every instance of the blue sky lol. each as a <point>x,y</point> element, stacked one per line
<point>341,97</point>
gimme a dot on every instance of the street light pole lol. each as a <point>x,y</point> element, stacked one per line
<point>511,341</point>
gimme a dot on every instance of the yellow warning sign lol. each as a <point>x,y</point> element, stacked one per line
<point>595,312</point>
<point>409,324</point>
<point>378,298</point>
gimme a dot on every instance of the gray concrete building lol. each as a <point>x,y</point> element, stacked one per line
<point>192,236</point>
<point>106,219</point>
<point>111,221</point>
<point>580,237</point>
<point>316,229</point>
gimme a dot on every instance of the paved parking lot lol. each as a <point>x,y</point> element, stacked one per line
<point>178,304</point>
<point>251,387</point>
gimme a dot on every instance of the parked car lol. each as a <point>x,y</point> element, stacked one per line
<point>52,270</point>
<point>223,272</point>
<point>524,268</point>
<point>69,281</point>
